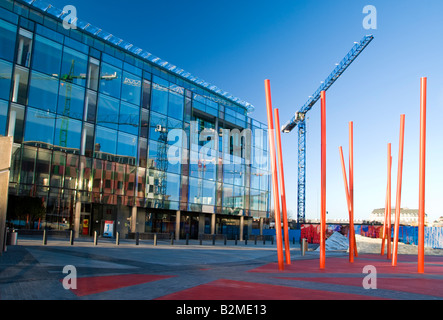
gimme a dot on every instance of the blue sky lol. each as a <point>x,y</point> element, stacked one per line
<point>236,45</point>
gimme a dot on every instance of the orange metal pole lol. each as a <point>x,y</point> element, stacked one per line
<point>421,205</point>
<point>351,185</point>
<point>345,179</point>
<point>398,199</point>
<point>282,187</point>
<point>274,175</point>
<point>323,183</point>
<point>389,228</point>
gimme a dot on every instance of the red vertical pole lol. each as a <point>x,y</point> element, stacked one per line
<point>421,205</point>
<point>271,136</point>
<point>323,183</point>
<point>351,187</point>
<point>398,198</point>
<point>345,179</point>
<point>282,187</point>
<point>389,229</point>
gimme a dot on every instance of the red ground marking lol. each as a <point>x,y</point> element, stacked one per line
<point>91,285</point>
<point>239,290</point>
<point>342,265</point>
<point>431,287</point>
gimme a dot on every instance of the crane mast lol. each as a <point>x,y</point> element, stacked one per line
<point>299,119</point>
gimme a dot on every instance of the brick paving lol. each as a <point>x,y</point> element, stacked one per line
<point>33,271</point>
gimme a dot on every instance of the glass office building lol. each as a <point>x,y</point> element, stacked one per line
<point>108,134</point>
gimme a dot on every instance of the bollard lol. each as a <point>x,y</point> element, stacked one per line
<point>117,238</point>
<point>155,239</point>
<point>213,239</point>
<point>304,246</point>
<point>200,238</point>
<point>272,240</point>
<point>95,238</point>
<point>293,240</point>
<point>246,240</point>
<point>225,239</point>
<point>187,239</point>
<point>264,240</point>
<point>172,238</point>
<point>137,238</point>
<point>255,240</point>
<point>235,239</point>
<point>71,237</point>
<point>45,238</point>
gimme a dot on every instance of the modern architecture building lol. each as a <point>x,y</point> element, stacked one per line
<point>408,217</point>
<point>111,138</point>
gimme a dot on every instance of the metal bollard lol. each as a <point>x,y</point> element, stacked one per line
<point>304,246</point>
<point>117,238</point>
<point>213,239</point>
<point>187,239</point>
<point>155,239</point>
<point>235,239</point>
<point>137,238</point>
<point>71,237</point>
<point>200,238</point>
<point>45,237</point>
<point>95,238</point>
<point>225,239</point>
<point>264,240</point>
<point>255,240</point>
<point>172,238</point>
<point>246,240</point>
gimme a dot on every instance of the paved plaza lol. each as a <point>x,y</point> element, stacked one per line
<point>194,271</point>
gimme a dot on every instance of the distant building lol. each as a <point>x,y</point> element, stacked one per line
<point>407,216</point>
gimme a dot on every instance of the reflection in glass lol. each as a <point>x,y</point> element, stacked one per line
<point>3,116</point>
<point>20,86</point>
<point>8,34</point>
<point>39,128</point>
<point>74,67</point>
<point>5,79</point>
<point>43,92</point>
<point>159,98</point>
<point>47,56</point>
<point>110,80</point>
<point>108,111</point>
<point>68,134</point>
<point>71,100</point>
<point>131,88</point>
<point>129,118</point>
<point>105,143</point>
<point>127,147</point>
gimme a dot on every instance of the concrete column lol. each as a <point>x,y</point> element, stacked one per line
<point>78,210</point>
<point>5,164</point>
<point>213,223</point>
<point>134,219</point>
<point>242,223</point>
<point>177,225</point>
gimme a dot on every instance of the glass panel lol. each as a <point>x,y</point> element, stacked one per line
<point>108,180</point>
<point>71,171</point>
<point>42,167</point>
<point>58,169</point>
<point>130,180</point>
<point>5,79</point>
<point>108,111</point>
<point>3,116</point>
<point>159,98</point>
<point>144,124</point>
<point>142,152</point>
<point>97,172</point>
<point>110,80</point>
<point>105,143</point>
<point>74,66</point>
<point>195,194</point>
<point>127,148</point>
<point>20,88</point>
<point>175,105</point>
<point>8,34</point>
<point>129,118</point>
<point>157,127</point>
<point>85,179</point>
<point>43,92</point>
<point>71,100</point>
<point>88,140</point>
<point>28,164</point>
<point>131,88</point>
<point>47,56</point>
<point>24,48</point>
<point>16,122</point>
<point>39,128</point>
<point>208,192</point>
<point>172,186</point>
<point>91,106</point>
<point>93,74</point>
<point>146,94</point>
<point>68,134</point>
<point>119,178</point>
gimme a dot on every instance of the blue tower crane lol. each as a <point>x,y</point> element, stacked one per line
<point>299,119</point>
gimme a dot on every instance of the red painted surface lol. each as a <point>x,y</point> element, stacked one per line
<point>91,285</point>
<point>240,290</point>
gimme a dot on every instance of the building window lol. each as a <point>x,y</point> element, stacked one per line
<point>16,122</point>
<point>3,116</point>
<point>159,99</point>
<point>110,80</point>
<point>105,143</point>
<point>20,86</point>
<point>129,118</point>
<point>108,111</point>
<point>146,104</point>
<point>176,105</point>
<point>5,79</point>
<point>8,34</point>
<point>91,106</point>
<point>74,66</point>
<point>127,148</point>
<point>43,92</point>
<point>71,100</point>
<point>39,128</point>
<point>47,56</point>
<point>68,134</point>
<point>131,88</point>
<point>24,48</point>
<point>93,74</point>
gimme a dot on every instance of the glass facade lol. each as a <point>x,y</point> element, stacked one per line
<point>100,130</point>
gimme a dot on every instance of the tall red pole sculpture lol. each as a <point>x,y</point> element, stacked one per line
<point>351,188</point>
<point>271,136</point>
<point>348,199</point>
<point>282,187</point>
<point>387,222</point>
<point>323,183</point>
<point>421,205</point>
<point>398,199</point>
